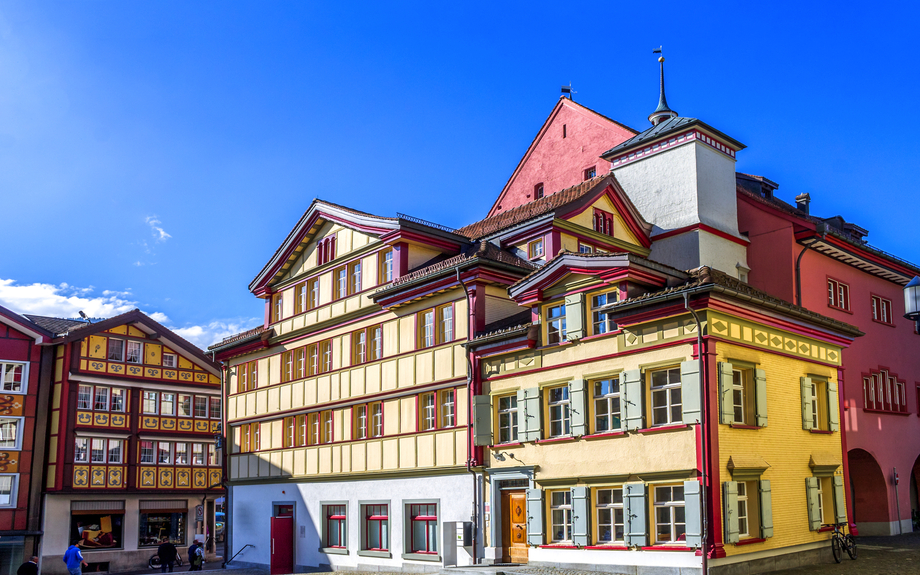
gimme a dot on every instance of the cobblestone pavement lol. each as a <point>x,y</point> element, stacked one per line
<point>899,555</point>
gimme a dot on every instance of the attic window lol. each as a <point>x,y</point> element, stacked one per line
<point>563,130</point>
<point>325,251</point>
<point>603,222</point>
<point>538,191</point>
<point>590,173</point>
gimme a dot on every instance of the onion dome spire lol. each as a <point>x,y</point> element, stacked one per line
<point>662,112</point>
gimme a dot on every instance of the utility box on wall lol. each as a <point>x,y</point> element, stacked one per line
<point>458,543</point>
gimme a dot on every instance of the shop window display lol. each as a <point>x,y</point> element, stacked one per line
<point>155,526</point>
<point>98,531</point>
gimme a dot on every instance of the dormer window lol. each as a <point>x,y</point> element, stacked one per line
<point>535,249</point>
<point>325,251</point>
<point>277,303</point>
<point>555,324</point>
<point>135,352</point>
<point>116,350</point>
<point>603,222</point>
<point>386,267</point>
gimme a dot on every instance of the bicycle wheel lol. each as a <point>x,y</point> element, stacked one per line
<point>850,543</point>
<point>154,562</point>
<point>835,547</point>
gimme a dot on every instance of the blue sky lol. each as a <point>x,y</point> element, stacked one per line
<point>155,154</point>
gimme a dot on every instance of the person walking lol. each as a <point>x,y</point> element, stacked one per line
<point>195,556</point>
<point>30,567</point>
<point>74,559</point>
<point>167,553</point>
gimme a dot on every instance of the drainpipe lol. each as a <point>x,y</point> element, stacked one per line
<point>798,268</point>
<point>224,392</point>
<point>704,524</point>
<point>469,416</point>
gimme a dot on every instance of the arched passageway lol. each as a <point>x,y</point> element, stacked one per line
<point>869,493</point>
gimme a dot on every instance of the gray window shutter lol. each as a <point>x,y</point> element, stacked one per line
<point>531,417</point>
<point>833,413</point>
<point>730,506</point>
<point>632,399</point>
<point>580,516</point>
<point>811,492</point>
<point>726,405</point>
<point>690,391</point>
<point>766,509</point>
<point>574,316</point>
<point>482,420</point>
<point>840,504</point>
<point>692,509</point>
<point>535,517</point>
<point>760,397</point>
<point>578,397</point>
<point>635,511</point>
<point>807,411</point>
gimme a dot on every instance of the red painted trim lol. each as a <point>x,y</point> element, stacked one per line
<point>605,435</point>
<point>894,266</point>
<point>556,440</point>
<point>558,546</point>
<point>507,348</point>
<point>744,313</point>
<point>825,529</point>
<point>608,547</point>
<point>667,548</point>
<point>664,428</point>
<point>749,541</point>
<point>615,195</point>
<point>705,228</point>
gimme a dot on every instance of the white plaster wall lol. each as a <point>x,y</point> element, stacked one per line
<point>717,199</point>
<point>670,559</point>
<point>250,521</point>
<point>681,251</point>
<point>721,254</point>
<point>698,248</point>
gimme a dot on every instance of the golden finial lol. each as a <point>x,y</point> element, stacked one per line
<point>661,58</point>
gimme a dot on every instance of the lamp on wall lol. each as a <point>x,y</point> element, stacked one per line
<point>912,301</point>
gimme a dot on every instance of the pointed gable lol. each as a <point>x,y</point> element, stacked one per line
<point>568,144</point>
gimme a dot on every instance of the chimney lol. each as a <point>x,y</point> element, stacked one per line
<point>802,201</point>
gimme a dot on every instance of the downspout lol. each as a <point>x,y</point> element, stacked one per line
<point>469,416</point>
<point>798,268</point>
<point>704,524</point>
<point>224,460</point>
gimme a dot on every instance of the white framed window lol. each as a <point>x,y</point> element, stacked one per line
<point>670,521</point>
<point>135,352</point>
<point>507,419</point>
<point>599,321</point>
<point>116,350</point>
<point>838,294</point>
<point>881,309</point>
<point>448,407</point>
<point>147,453</point>
<point>555,324</point>
<point>197,454</point>
<point>560,411</point>
<point>169,360</point>
<point>150,402</point>
<point>13,378</point>
<point>361,422</point>
<point>535,249</point>
<point>560,509</point>
<point>354,272</point>
<point>341,282</point>
<point>164,453</point>
<point>185,405</point>
<point>743,527</point>
<point>85,397</point>
<point>11,433</point>
<point>666,399</point>
<point>81,450</point>
<point>738,395</point>
<point>118,400</point>
<point>445,323</point>
<point>607,405</point>
<point>608,505</point>
<point>101,401</point>
<point>386,267</point>
<point>327,426</point>
<point>182,454</point>
<point>377,419</point>
<point>97,451</point>
<point>427,413</point>
<point>201,406</point>
<point>9,482</point>
<point>426,328</point>
<point>167,403</point>
<point>213,455</point>
<point>214,407</point>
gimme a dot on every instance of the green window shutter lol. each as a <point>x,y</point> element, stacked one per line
<point>811,492</point>
<point>580,516</point>
<point>579,404</point>
<point>766,509</point>
<point>833,408</point>
<point>730,507</point>
<point>531,418</point>
<point>632,399</point>
<point>807,410</point>
<point>726,406</point>
<point>760,397</point>
<point>634,510</point>
<point>840,504</point>
<point>534,516</point>
<point>692,509</point>
<point>482,420</point>
<point>574,316</point>
<point>690,391</point>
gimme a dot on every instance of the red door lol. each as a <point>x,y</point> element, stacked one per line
<point>282,561</point>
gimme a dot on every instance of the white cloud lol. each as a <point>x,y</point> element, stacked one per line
<point>216,330</point>
<point>158,232</point>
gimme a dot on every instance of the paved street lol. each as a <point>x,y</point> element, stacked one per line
<point>877,556</point>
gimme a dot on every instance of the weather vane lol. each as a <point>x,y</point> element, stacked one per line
<point>568,90</point>
<point>658,51</point>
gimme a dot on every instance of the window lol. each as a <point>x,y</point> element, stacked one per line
<point>359,347</point>
<point>13,381</point>
<point>340,276</point>
<point>315,434</point>
<point>287,366</point>
<point>367,344</point>
<point>666,400</point>
<point>585,248</point>
<point>423,528</point>
<point>213,455</point>
<point>599,321</point>
<point>312,359</point>
<point>376,528</point>
<point>164,453</point>
<point>214,403</point>
<point>560,509</point>
<point>560,416</point>
<point>248,374</point>
<point>146,452</point>
<point>81,450</point>
<point>149,402</point>
<point>354,277</point>
<point>154,526</point>
<point>507,419</point>
<point>277,307</point>
<point>435,326</point>
<point>608,509</point>
<point>201,406</point>
<point>300,430</point>
<point>98,450</point>
<point>590,173</point>
<point>135,352</point>
<point>300,363</point>
<point>300,298</point>
<point>607,405</point>
<point>448,407</point>
<point>360,416</point>
<point>325,250</point>
<point>325,356</point>
<point>555,324</point>
<point>817,405</point>
<point>169,360</point>
<point>185,405</point>
<point>182,454</point>
<point>670,524</point>
<point>881,309</point>
<point>100,398</point>
<point>427,412</point>
<point>198,451</point>
<point>603,222</point>
<point>535,249</point>
<point>538,191</point>
<point>84,397</point>
<point>167,403</point>
<point>97,530</point>
<point>838,294</point>
<point>883,391</point>
<point>385,264</point>
<point>377,419</point>
<point>336,534</point>
<point>249,437</point>
<point>8,489</point>
<point>118,400</point>
<point>116,350</point>
<point>748,520</point>
<point>328,436</point>
<point>101,401</point>
<point>288,439</point>
<point>116,451</point>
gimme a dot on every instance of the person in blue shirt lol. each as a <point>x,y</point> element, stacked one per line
<point>74,559</point>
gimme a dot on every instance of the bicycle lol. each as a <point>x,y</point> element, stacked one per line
<point>841,541</point>
<point>155,563</point>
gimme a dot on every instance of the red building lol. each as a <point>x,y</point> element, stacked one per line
<point>25,384</point>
